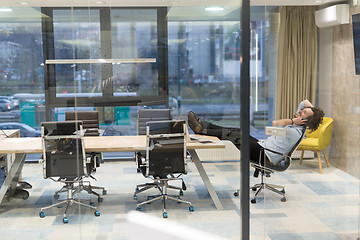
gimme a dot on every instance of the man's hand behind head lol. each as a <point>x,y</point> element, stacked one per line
<point>299,121</point>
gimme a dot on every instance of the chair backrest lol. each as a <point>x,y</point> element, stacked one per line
<point>323,133</point>
<point>146,115</point>
<point>63,149</point>
<point>166,147</point>
<point>286,162</point>
<point>90,120</point>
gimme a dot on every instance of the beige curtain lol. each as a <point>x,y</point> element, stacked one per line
<point>297,59</point>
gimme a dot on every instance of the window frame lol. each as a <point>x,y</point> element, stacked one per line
<point>107,98</point>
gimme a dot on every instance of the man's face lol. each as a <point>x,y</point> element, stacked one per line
<point>305,113</point>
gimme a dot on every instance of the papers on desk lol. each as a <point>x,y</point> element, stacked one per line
<point>200,140</point>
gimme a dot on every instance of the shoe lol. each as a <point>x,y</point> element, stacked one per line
<point>194,123</point>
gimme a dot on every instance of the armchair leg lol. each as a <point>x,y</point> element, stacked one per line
<point>301,156</point>
<point>319,160</point>
<point>326,158</point>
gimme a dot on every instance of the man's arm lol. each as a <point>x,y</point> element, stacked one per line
<point>296,120</point>
<point>282,122</point>
<point>307,103</point>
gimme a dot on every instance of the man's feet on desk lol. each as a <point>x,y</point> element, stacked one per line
<point>196,124</point>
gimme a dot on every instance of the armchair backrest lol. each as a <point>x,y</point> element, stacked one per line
<point>63,149</point>
<point>146,115</point>
<point>166,147</point>
<point>323,133</point>
<point>90,120</point>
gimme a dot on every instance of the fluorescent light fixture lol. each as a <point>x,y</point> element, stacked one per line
<point>5,10</point>
<point>80,61</point>
<point>23,3</point>
<point>214,9</point>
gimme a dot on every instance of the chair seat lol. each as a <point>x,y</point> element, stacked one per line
<point>311,144</point>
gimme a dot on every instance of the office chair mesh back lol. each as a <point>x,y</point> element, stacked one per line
<point>63,149</point>
<point>146,115</point>
<point>90,120</point>
<point>286,162</point>
<point>166,148</point>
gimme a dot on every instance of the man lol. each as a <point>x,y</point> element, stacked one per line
<point>306,116</point>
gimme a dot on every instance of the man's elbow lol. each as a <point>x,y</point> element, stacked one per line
<point>274,123</point>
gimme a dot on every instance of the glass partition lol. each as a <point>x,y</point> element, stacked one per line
<point>321,197</point>
<point>117,60</point>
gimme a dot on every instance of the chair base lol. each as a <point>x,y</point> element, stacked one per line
<point>162,185</point>
<point>272,187</point>
<point>70,189</point>
<point>156,184</point>
<point>81,187</point>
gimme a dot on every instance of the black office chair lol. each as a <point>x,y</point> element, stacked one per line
<point>165,156</point>
<point>90,123</point>
<point>268,168</point>
<point>144,116</point>
<point>64,159</point>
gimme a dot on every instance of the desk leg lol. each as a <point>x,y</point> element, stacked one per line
<point>206,179</point>
<point>12,177</point>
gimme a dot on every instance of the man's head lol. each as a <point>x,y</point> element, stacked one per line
<point>313,115</point>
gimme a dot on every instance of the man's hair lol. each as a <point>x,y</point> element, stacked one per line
<point>315,120</point>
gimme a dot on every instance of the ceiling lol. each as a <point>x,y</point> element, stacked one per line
<point>123,3</point>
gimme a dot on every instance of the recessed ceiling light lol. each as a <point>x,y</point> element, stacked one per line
<point>214,9</point>
<point>5,10</point>
<point>99,2</point>
<point>23,3</point>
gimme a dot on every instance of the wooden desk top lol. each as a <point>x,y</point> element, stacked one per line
<point>98,144</point>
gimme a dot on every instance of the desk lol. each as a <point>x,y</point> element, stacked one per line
<point>12,167</point>
<point>22,146</point>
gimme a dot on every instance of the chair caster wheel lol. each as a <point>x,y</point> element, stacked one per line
<point>100,199</point>
<point>138,209</point>
<point>97,213</point>
<point>104,192</point>
<point>134,197</point>
<point>165,215</point>
<point>254,189</point>
<point>42,214</point>
<point>236,193</point>
<point>65,220</point>
<point>282,190</point>
<point>56,196</point>
<point>181,193</point>
<point>283,199</point>
<point>92,204</point>
<point>136,189</point>
<point>191,208</point>
<point>253,200</point>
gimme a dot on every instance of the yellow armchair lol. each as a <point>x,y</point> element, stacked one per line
<point>318,140</point>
